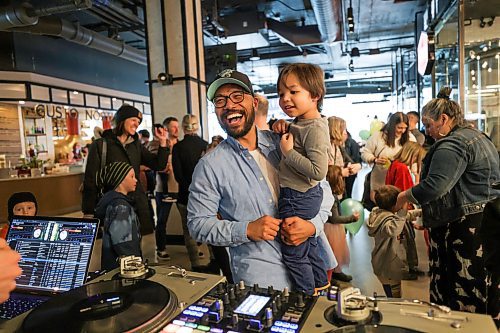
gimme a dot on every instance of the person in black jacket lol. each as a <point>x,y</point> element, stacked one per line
<point>185,156</point>
<point>122,144</point>
<point>352,150</point>
<point>490,234</point>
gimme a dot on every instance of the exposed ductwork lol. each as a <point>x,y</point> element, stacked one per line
<point>328,16</point>
<point>54,26</point>
<point>297,36</point>
<point>27,15</point>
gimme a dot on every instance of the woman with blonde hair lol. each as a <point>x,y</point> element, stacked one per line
<point>335,232</point>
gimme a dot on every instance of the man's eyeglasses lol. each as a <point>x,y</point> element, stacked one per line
<point>236,97</point>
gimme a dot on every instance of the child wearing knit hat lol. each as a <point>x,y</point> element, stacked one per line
<point>121,235</point>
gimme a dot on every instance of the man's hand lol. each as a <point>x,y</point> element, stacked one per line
<point>280,126</point>
<point>295,231</point>
<point>9,270</point>
<point>264,228</point>
<point>161,134</point>
<point>286,143</point>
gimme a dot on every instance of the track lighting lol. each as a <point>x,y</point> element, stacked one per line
<point>350,18</point>
<point>355,52</point>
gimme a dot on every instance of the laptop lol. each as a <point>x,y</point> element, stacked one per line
<point>55,257</point>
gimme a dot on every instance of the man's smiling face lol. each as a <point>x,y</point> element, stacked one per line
<point>236,118</point>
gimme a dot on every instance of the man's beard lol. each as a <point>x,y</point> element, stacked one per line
<point>247,126</point>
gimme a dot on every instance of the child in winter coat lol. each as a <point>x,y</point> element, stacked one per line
<point>385,225</point>
<point>121,236</point>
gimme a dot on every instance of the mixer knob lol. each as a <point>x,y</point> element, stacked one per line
<point>274,307</point>
<point>225,298</point>
<point>300,300</point>
<point>256,287</point>
<point>218,307</point>
<point>269,317</point>
<point>277,299</point>
<point>241,285</point>
<point>270,290</point>
<point>231,293</point>
<point>286,293</point>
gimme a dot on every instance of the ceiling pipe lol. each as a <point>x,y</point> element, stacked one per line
<point>54,26</point>
<point>60,6</point>
<point>16,17</point>
<point>327,15</point>
<point>26,15</point>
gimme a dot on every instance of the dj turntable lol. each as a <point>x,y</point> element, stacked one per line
<point>137,298</point>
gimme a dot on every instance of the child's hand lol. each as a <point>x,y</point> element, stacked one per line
<point>356,215</point>
<point>286,143</point>
<point>280,126</point>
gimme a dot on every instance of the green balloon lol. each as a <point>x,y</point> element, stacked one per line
<point>364,134</point>
<point>348,207</point>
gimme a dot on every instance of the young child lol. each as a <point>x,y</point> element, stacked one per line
<point>401,175</point>
<point>20,203</point>
<point>334,230</point>
<point>304,164</point>
<point>388,255</point>
<point>121,234</point>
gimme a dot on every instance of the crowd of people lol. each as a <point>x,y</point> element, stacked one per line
<point>266,199</point>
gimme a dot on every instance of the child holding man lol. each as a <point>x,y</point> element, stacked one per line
<point>304,164</point>
<point>121,236</point>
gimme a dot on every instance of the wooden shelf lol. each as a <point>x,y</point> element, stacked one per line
<point>33,117</point>
<point>36,134</point>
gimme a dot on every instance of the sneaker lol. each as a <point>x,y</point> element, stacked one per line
<point>341,277</point>
<point>163,255</point>
<point>169,199</point>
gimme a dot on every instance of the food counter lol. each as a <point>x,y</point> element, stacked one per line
<point>56,194</point>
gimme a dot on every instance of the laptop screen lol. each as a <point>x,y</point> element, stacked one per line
<point>55,251</point>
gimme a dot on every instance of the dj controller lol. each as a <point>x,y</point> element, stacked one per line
<point>137,298</point>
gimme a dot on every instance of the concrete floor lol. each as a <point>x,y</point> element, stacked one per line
<point>360,246</point>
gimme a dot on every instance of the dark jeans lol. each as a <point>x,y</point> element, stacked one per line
<point>162,213</point>
<point>304,205</point>
<point>306,266</point>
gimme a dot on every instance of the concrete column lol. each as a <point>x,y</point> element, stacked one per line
<point>175,47</point>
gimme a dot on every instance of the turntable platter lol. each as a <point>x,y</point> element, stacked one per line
<point>107,306</point>
<point>372,329</point>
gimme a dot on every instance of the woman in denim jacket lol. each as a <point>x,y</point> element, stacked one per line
<point>455,186</point>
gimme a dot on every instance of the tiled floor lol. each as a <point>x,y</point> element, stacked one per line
<point>360,268</point>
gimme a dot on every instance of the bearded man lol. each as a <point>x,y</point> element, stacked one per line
<point>238,181</point>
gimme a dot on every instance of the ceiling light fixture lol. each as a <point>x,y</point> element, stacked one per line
<point>355,52</point>
<point>350,18</point>
<point>255,55</point>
